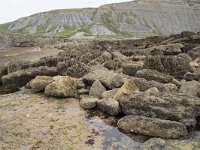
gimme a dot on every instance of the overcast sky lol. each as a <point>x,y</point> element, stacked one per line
<point>11,10</point>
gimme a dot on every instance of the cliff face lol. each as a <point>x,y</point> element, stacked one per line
<point>135,18</point>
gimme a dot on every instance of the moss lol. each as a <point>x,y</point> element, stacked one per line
<point>42,28</point>
<point>4,27</point>
<point>86,29</point>
<point>69,31</point>
<point>129,20</point>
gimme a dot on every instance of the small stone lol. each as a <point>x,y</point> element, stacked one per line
<point>88,102</point>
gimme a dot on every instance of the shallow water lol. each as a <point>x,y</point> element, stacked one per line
<point>33,121</point>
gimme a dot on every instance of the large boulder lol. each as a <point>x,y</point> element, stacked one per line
<point>62,87</point>
<point>39,83</point>
<point>176,65</point>
<point>149,74</point>
<point>88,102</point>
<point>176,107</point>
<point>130,68</point>
<point>72,68</point>
<point>20,78</point>
<point>190,87</point>
<point>109,106</point>
<point>97,89</point>
<point>108,78</point>
<point>152,127</point>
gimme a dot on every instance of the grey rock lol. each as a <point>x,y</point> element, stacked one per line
<point>144,85</point>
<point>152,127</point>
<point>109,79</point>
<point>97,89</point>
<point>109,106</point>
<point>167,106</point>
<point>130,68</point>
<point>154,75</point>
<point>192,76</point>
<point>194,53</point>
<point>190,87</point>
<point>176,65</point>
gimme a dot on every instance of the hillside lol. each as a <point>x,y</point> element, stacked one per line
<point>138,18</point>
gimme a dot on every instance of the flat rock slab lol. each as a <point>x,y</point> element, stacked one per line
<point>152,127</point>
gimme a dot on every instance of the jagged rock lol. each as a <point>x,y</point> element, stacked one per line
<point>109,106</point>
<point>130,68</point>
<point>190,87</point>
<point>152,91</point>
<point>50,61</point>
<point>97,89</point>
<point>152,127</point>
<point>175,107</point>
<point>176,65</point>
<point>192,76</point>
<point>109,79</point>
<point>3,71</point>
<point>39,83</point>
<point>170,87</point>
<point>20,78</point>
<point>112,64</point>
<point>194,53</point>
<point>17,66</point>
<point>173,49</point>
<point>110,93</point>
<point>149,74</point>
<point>88,102</point>
<point>63,86</point>
<point>129,87</point>
<point>144,85</point>
<point>72,68</point>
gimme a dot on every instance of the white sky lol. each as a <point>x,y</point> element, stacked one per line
<point>11,10</point>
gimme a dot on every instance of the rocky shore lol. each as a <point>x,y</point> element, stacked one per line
<point>152,86</point>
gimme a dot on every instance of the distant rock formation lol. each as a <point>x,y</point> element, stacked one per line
<point>138,18</point>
